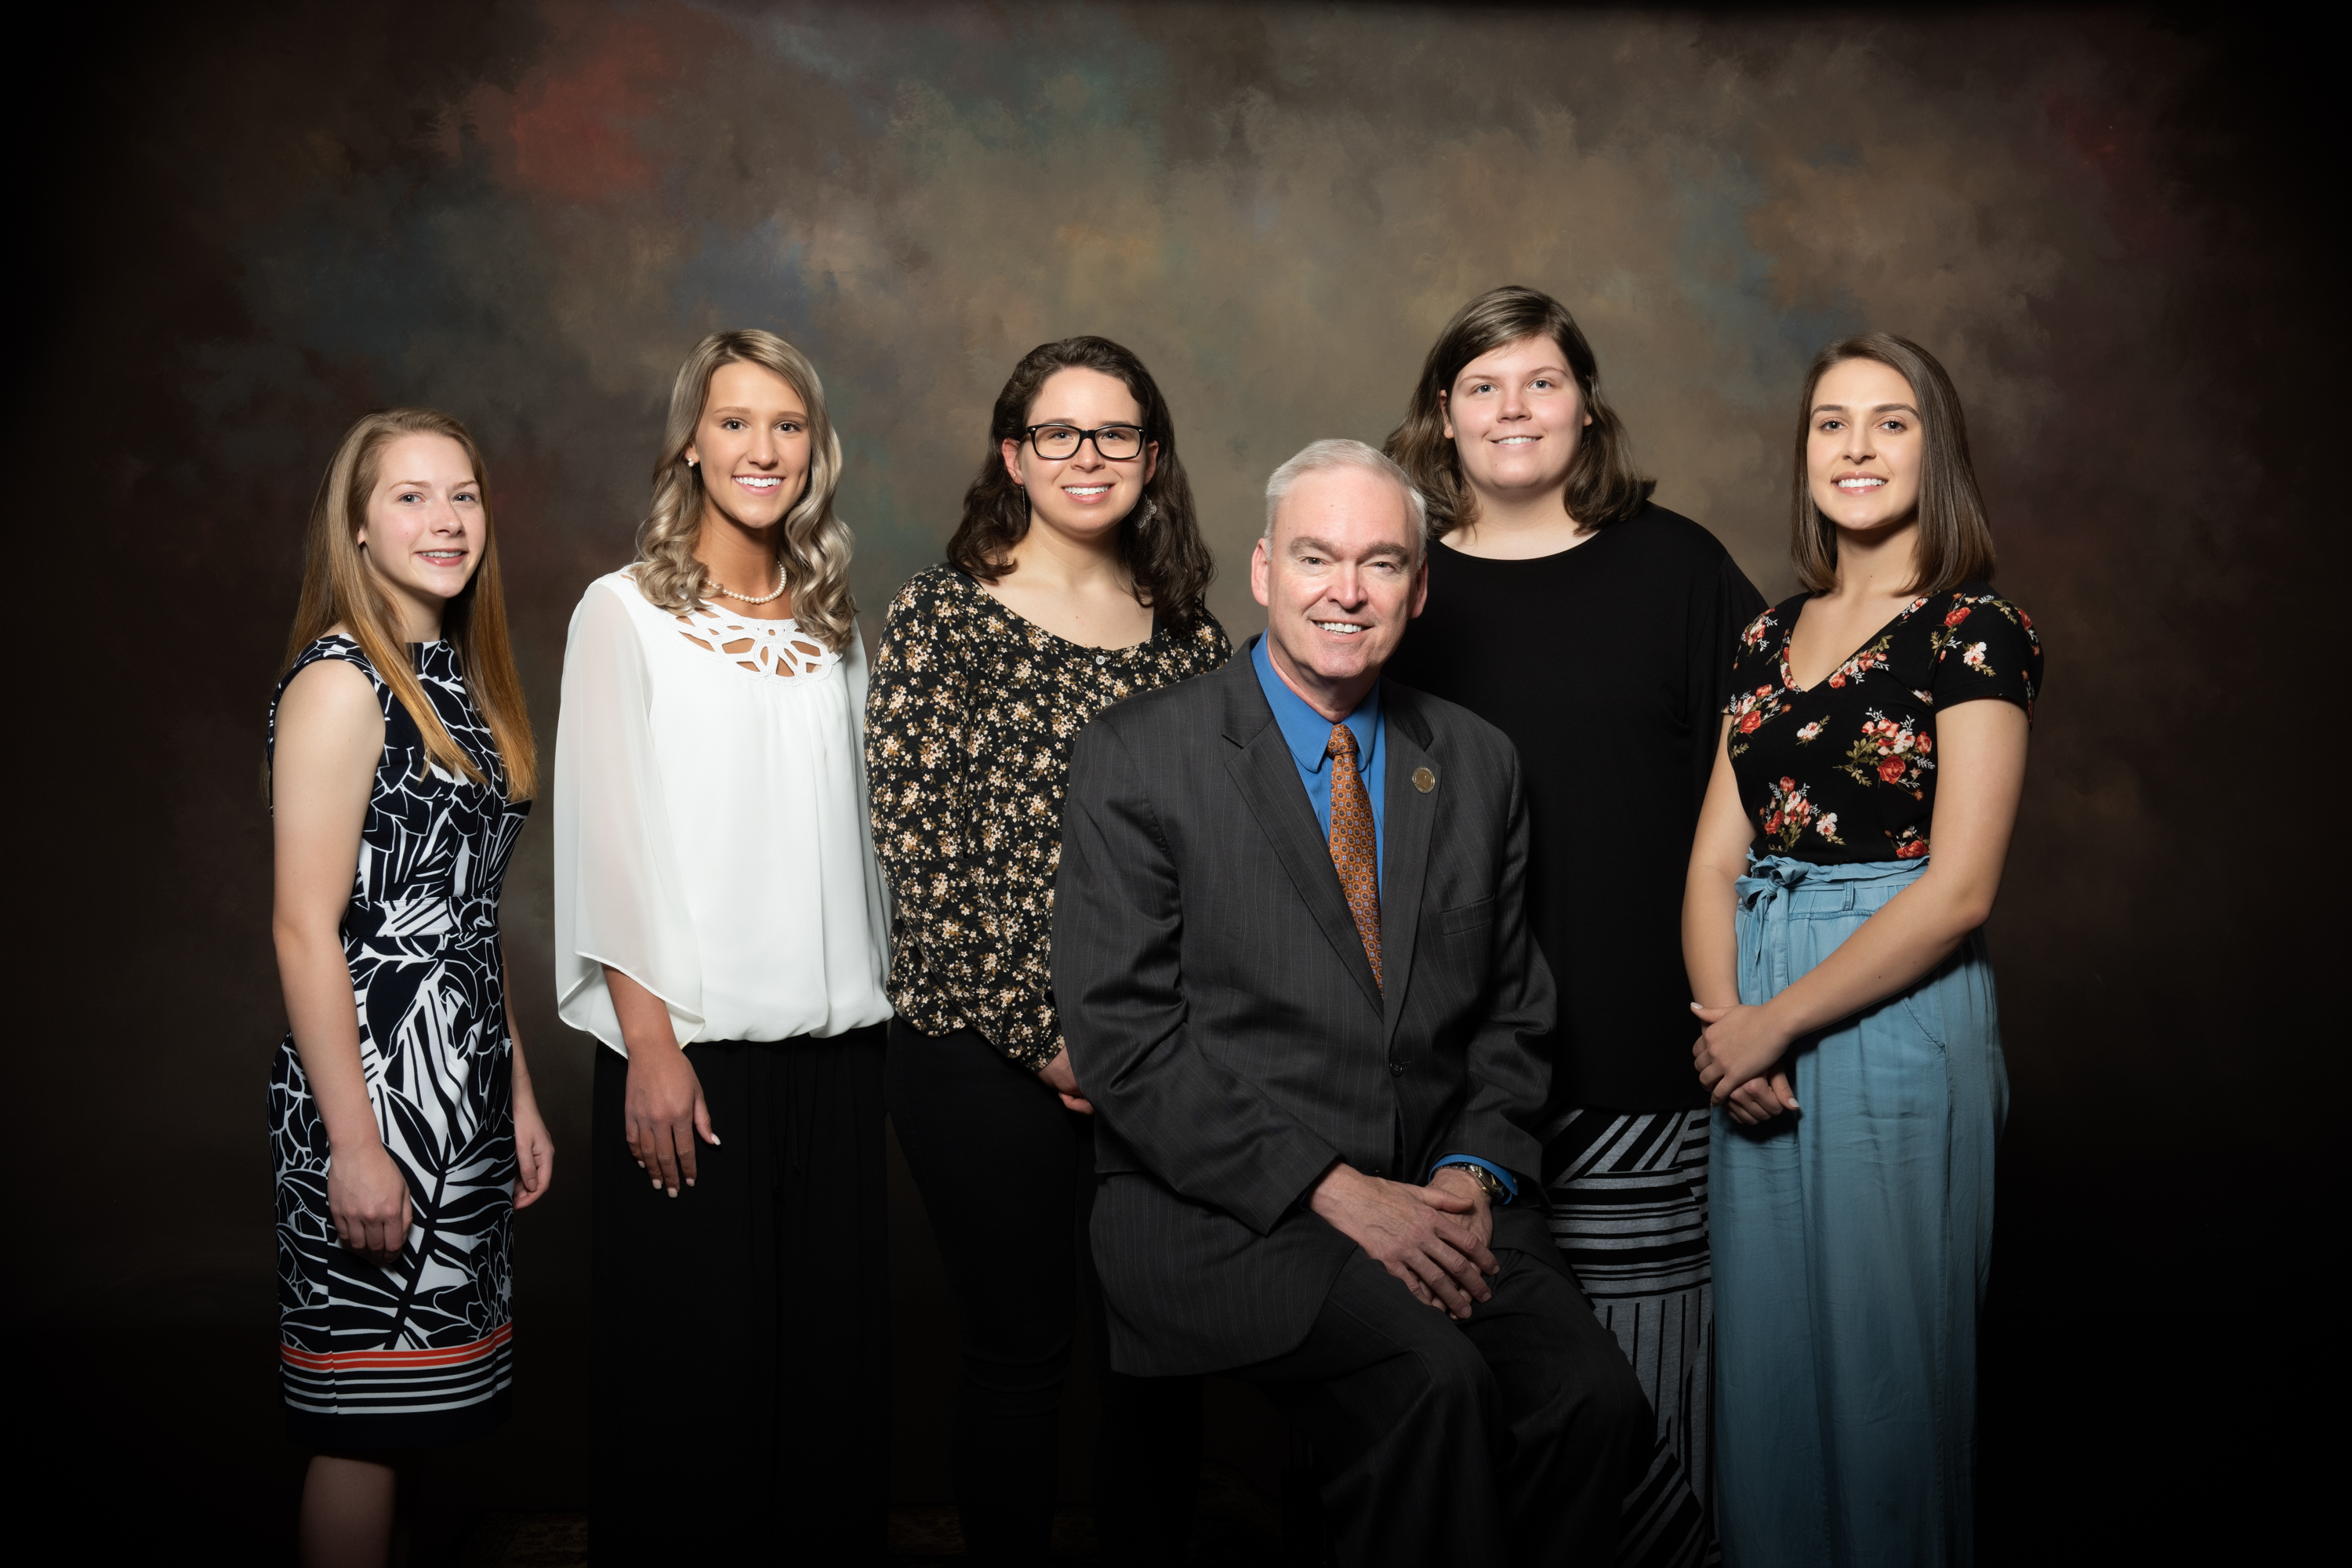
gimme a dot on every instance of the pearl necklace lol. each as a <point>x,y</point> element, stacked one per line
<point>746,598</point>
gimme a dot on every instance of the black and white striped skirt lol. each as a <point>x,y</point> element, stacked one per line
<point>1629,1212</point>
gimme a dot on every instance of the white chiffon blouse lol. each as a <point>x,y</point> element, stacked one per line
<point>711,840</point>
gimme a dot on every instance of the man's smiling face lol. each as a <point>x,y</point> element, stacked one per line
<point>1339,574</point>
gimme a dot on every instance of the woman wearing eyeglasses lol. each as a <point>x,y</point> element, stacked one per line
<point>1075,581</point>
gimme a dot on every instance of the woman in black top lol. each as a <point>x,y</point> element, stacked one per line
<point>1596,629</point>
<point>1847,857</point>
<point>1075,581</point>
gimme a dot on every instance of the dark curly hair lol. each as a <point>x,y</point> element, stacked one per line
<point>1603,487</point>
<point>1159,543</point>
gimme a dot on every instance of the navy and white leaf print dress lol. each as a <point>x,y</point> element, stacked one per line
<point>418,1353</point>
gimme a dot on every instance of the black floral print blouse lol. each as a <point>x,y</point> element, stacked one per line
<point>1845,770</point>
<point>969,724</point>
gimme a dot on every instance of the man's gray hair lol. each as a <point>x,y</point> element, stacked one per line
<point>1320,455</point>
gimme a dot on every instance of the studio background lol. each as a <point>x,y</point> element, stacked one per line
<point>247,225</point>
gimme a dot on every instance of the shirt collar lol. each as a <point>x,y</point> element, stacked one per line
<point>1306,733</point>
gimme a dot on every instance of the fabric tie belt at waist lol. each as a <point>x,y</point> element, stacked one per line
<point>1779,888</point>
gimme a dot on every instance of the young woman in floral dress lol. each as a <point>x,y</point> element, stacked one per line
<point>1847,857</point>
<point>1075,580</point>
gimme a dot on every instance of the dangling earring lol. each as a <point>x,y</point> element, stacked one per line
<point>1143,519</point>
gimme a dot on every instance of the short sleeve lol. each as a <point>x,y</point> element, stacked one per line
<point>1750,655</point>
<point>619,898</point>
<point>1724,604</point>
<point>1986,647</point>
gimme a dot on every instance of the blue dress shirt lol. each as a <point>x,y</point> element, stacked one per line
<point>1309,735</point>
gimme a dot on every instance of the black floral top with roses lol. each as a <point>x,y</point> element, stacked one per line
<point>969,724</point>
<point>1845,770</point>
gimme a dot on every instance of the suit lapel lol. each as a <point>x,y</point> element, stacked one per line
<point>1268,777</point>
<point>1408,817</point>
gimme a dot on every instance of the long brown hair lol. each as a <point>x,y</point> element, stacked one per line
<point>338,587</point>
<point>1954,543</point>
<point>1159,543</point>
<point>813,549</point>
<point>1603,487</point>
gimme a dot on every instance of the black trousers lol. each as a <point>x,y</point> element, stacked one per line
<point>1512,1437</point>
<point>1007,1178</point>
<point>740,1332</point>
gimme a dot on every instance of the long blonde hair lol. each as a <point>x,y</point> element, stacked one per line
<point>815,546</point>
<point>338,586</point>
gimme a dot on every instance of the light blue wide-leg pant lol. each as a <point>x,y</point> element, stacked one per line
<point>1852,1241</point>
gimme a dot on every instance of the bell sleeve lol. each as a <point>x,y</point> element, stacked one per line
<point>619,898</point>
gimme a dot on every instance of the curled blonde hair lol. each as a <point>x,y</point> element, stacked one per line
<point>339,588</point>
<point>814,553</point>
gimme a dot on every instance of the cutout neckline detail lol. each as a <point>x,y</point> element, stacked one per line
<point>760,647</point>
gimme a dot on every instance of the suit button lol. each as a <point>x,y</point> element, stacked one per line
<point>1396,1069</point>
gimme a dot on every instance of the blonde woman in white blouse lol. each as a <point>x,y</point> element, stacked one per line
<point>719,926</point>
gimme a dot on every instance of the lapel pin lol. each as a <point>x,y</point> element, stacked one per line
<point>1424,780</point>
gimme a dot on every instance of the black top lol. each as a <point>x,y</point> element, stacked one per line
<point>1845,771</point>
<point>1607,666</point>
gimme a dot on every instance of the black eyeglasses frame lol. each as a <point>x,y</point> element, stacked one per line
<point>1141,443</point>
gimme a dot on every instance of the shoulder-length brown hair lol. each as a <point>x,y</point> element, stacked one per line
<point>1603,487</point>
<point>1954,543</point>
<point>813,548</point>
<point>339,586</point>
<point>1159,543</point>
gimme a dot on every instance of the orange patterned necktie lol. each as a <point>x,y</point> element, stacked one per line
<point>1353,848</point>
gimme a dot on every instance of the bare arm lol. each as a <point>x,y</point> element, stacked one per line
<point>534,1150</point>
<point>330,739</point>
<point>1718,859</point>
<point>1980,750</point>
<point>1710,935</point>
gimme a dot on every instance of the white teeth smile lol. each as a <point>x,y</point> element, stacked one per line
<point>1344,629</point>
<point>1516,441</point>
<point>751,483</point>
<point>1859,482</point>
<point>1085,490</point>
<point>444,556</point>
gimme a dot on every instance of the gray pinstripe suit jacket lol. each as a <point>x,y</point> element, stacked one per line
<point>1223,1020</point>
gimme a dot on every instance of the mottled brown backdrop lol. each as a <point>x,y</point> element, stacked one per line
<point>244,226</point>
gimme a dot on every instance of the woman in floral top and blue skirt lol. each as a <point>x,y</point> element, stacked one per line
<point>1847,857</point>
<point>1074,581</point>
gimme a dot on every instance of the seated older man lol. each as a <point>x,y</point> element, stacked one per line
<point>1298,985</point>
